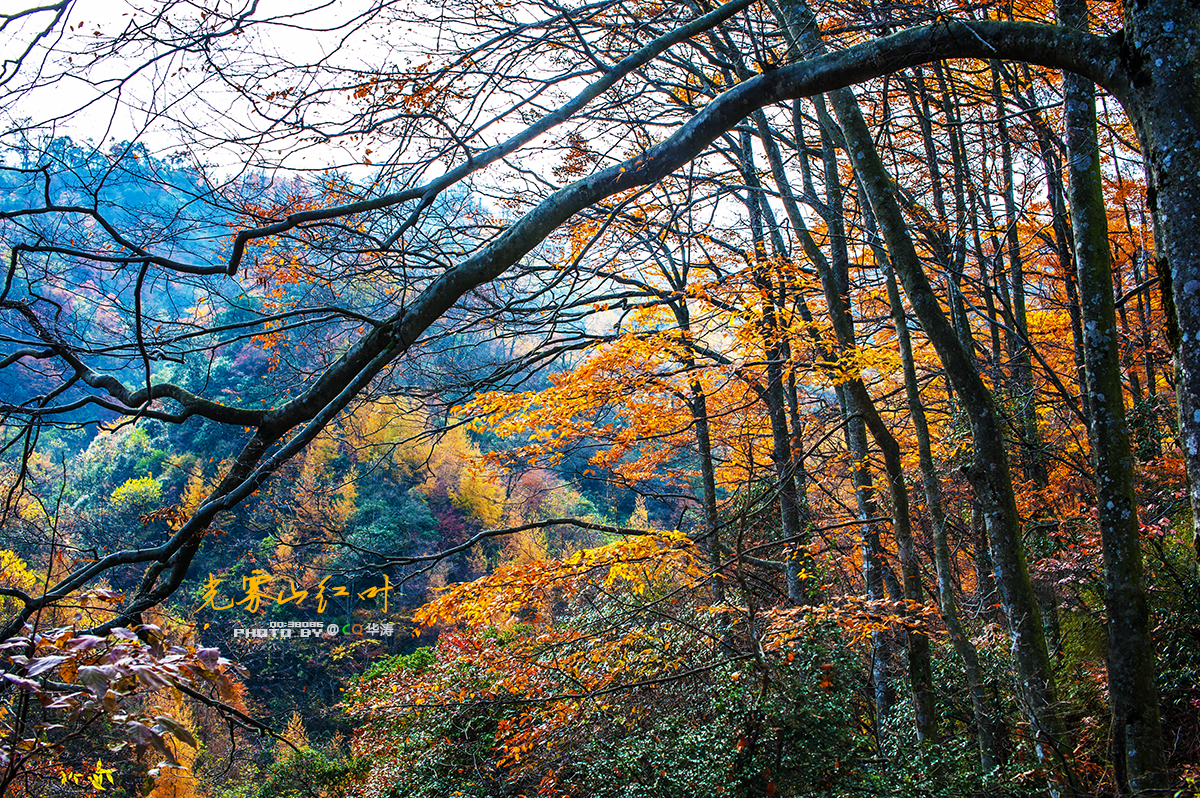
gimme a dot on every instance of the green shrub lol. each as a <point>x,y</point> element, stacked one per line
<point>417,662</point>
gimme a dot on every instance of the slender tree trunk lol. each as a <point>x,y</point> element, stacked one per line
<point>781,438</point>
<point>990,473</point>
<point>989,272</point>
<point>953,249</point>
<point>1063,239</point>
<point>1131,685</point>
<point>980,705</point>
<point>834,274</point>
<point>1023,394</point>
<point>708,484</point>
<point>1022,366</point>
<point>872,555</point>
<point>836,281</point>
<point>1149,442</point>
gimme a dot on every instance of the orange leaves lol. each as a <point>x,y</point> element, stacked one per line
<point>420,90</point>
<point>534,657</point>
<point>857,616</point>
<point>365,90</point>
<point>274,273</point>
<point>529,589</point>
<point>696,87</point>
<point>627,396</point>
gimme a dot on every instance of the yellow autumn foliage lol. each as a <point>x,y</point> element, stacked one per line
<point>137,493</point>
<point>529,588</point>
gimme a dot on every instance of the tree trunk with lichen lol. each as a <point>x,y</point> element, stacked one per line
<point>990,474</point>
<point>1159,50</point>
<point>982,707</point>
<point>1133,695</point>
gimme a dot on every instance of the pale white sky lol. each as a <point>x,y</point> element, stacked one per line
<point>166,99</point>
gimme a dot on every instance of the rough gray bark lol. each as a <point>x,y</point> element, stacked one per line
<point>980,705</point>
<point>772,333</point>
<point>990,475</point>
<point>1130,659</point>
<point>1159,49</point>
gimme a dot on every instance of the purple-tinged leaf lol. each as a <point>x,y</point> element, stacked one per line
<point>85,643</point>
<point>209,657</point>
<point>24,684</point>
<point>43,664</point>
<point>95,679</point>
<point>176,728</point>
<point>149,676</point>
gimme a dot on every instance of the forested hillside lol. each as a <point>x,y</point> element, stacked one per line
<point>612,399</point>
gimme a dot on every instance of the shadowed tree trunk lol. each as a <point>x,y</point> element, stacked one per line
<point>980,705</point>
<point>1131,685</point>
<point>772,333</point>
<point>990,473</point>
<point>1160,47</point>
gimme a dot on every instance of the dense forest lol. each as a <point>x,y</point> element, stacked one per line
<point>767,398</point>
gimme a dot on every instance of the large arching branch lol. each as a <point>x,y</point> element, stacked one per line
<point>1050,46</point>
